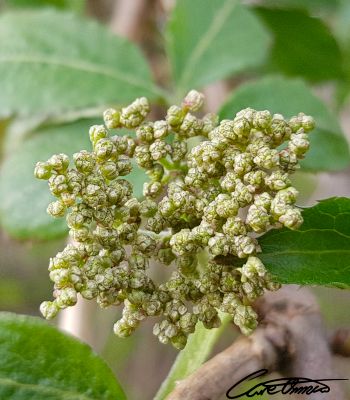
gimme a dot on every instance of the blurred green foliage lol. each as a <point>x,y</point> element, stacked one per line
<point>59,70</point>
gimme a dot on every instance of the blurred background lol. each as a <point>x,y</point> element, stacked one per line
<point>307,42</point>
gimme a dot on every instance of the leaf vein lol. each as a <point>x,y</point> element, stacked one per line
<point>81,66</point>
<point>217,23</point>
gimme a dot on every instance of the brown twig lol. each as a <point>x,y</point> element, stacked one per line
<point>340,342</point>
<point>290,339</point>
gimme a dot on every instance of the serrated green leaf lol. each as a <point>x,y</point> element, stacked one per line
<point>309,51</point>
<point>329,150</point>
<point>198,348</point>
<point>208,40</point>
<point>316,254</point>
<point>39,362</point>
<point>24,199</point>
<point>52,62</point>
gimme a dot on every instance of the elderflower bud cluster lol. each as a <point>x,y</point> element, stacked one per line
<point>202,212</point>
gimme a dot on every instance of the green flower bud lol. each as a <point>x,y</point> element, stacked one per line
<point>104,216</point>
<point>178,150</point>
<point>174,310</point>
<point>58,184</point>
<point>258,218</point>
<point>263,200</point>
<point>248,114</point>
<point>292,218</point>
<point>56,209</point>
<point>244,246</point>
<point>219,245</point>
<point>193,101</point>
<point>175,116</point>
<point>228,182</point>
<point>288,160</point>
<point>75,181</point>
<point>228,284</point>
<point>127,232</point>
<point>299,143</point>
<point>143,156</point>
<point>97,132</point>
<point>228,157</point>
<point>152,189</point>
<point>202,233</point>
<point>307,123</point>
<point>133,115</point>
<point>246,318</point>
<point>302,121</point>
<point>226,206</point>
<point>67,297</point>
<point>208,282</point>
<point>234,226</point>
<point>159,149</point>
<point>187,322</point>
<point>166,207</point>
<point>80,234</point>
<point>183,242</point>
<point>49,309</point>
<point>288,195</point>
<point>146,243</point>
<point>43,170</point>
<point>160,129</point>
<point>255,178</point>
<point>253,267</point>
<point>145,133</point>
<point>278,180</point>
<point>94,195</point>
<point>59,162</point>
<point>60,277</point>
<point>148,208</point>
<point>109,170</point>
<point>241,127</point>
<point>156,223</point>
<point>105,149</point>
<point>84,161</point>
<point>243,164</point>
<point>243,194</point>
<point>261,119</point>
<point>125,145</point>
<point>190,126</point>
<point>156,173</point>
<point>187,264</point>
<point>122,329</point>
<point>195,177</point>
<point>90,290</point>
<point>266,158</point>
<point>280,129</point>
<point>111,118</point>
<point>124,165</point>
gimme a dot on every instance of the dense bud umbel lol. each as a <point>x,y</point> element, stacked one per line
<point>202,212</point>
